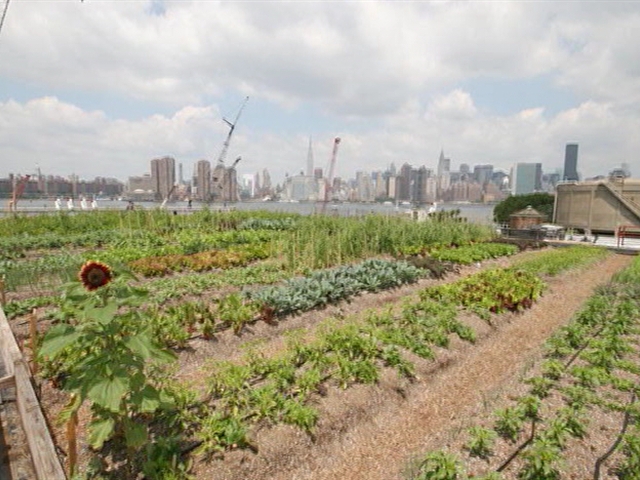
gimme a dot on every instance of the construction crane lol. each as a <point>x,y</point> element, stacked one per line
<point>328,190</point>
<point>166,199</point>
<point>4,13</point>
<point>232,127</point>
<point>18,190</point>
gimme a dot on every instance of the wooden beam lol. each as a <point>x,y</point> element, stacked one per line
<point>8,381</point>
<point>43,452</point>
<point>8,346</point>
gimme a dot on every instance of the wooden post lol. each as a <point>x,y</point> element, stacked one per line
<point>3,295</point>
<point>72,425</point>
<point>33,331</point>
<point>43,452</point>
<point>41,447</point>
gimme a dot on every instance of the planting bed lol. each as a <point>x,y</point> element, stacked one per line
<point>360,360</point>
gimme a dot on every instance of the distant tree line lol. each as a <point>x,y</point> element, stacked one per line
<point>542,202</point>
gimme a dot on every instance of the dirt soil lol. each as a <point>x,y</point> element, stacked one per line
<point>373,432</point>
<point>389,431</point>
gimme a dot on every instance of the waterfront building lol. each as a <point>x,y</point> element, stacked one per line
<point>364,187</point>
<point>379,185</point>
<point>421,184</point>
<point>392,182</point>
<point>203,183</point>
<point>443,175</point>
<point>163,176</point>
<point>526,178</point>
<point>571,163</point>
<point>310,159</point>
<point>482,173</point>
<point>403,183</point>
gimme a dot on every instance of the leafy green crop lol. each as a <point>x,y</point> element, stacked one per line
<point>330,286</point>
<point>492,291</point>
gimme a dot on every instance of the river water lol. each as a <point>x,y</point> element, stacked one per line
<point>477,213</point>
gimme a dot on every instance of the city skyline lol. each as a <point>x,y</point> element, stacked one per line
<point>490,82</point>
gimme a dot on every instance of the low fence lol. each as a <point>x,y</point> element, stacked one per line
<point>41,446</point>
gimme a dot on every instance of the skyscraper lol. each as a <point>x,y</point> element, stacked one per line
<point>203,180</point>
<point>163,176</point>
<point>571,162</point>
<point>526,178</point>
<point>310,160</point>
<point>444,175</point>
<point>482,173</point>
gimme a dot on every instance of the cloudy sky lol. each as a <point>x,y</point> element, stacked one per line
<point>100,87</point>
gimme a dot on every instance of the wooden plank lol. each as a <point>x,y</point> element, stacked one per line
<point>43,452</point>
<point>8,381</point>
<point>8,346</point>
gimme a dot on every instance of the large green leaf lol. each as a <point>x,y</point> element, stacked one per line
<point>108,392</point>
<point>100,431</point>
<point>57,339</point>
<point>102,314</point>
<point>135,434</point>
<point>142,345</point>
<point>147,399</point>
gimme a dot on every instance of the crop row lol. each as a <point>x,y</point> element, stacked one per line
<point>494,291</point>
<point>198,262</point>
<point>282,389</point>
<point>330,286</point>
<point>591,364</point>
<point>468,254</point>
<point>156,221</point>
<point>315,242</point>
<point>558,260</point>
<point>113,330</point>
<point>176,324</point>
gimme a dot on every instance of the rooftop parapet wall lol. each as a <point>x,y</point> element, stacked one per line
<point>599,206</point>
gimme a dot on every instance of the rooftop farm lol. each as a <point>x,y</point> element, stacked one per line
<point>252,345</point>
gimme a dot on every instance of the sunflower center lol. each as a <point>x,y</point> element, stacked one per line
<point>96,277</point>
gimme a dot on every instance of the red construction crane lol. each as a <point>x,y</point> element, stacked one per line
<point>328,190</point>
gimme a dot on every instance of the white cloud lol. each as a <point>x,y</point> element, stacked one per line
<point>63,138</point>
<point>388,74</point>
<point>457,105</point>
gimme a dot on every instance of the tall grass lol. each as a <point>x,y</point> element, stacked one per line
<point>311,242</point>
<point>321,241</point>
<point>65,223</point>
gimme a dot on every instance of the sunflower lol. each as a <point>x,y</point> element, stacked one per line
<point>94,275</point>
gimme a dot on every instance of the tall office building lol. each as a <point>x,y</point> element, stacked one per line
<point>444,174</point>
<point>403,183</point>
<point>310,160</point>
<point>203,181</point>
<point>571,162</point>
<point>526,178</point>
<point>482,173</point>
<point>163,176</point>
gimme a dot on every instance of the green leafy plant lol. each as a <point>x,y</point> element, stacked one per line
<point>235,311</point>
<point>440,465</point>
<point>540,462</point>
<point>630,466</point>
<point>109,359</point>
<point>481,441</point>
<point>530,407</point>
<point>540,386</point>
<point>509,422</point>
